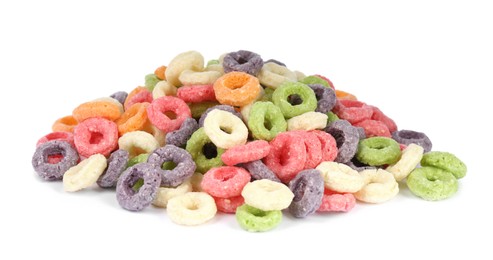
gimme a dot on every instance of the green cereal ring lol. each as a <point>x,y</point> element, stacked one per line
<point>205,154</point>
<point>267,94</point>
<point>378,150</point>
<point>212,62</point>
<point>281,96</point>
<point>314,80</point>
<point>432,183</point>
<point>445,161</point>
<point>331,117</point>
<point>137,159</point>
<point>266,120</point>
<point>256,220</point>
<point>150,81</point>
<point>198,109</point>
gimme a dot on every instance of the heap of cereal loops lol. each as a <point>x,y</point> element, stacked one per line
<point>243,136</point>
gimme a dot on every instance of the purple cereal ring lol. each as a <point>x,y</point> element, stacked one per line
<point>220,107</point>
<point>180,137</point>
<point>308,190</point>
<point>184,169</point>
<point>136,200</point>
<point>326,97</point>
<point>244,61</point>
<point>276,62</point>
<point>259,170</point>
<point>55,171</point>
<point>347,139</point>
<point>116,165</point>
<point>120,96</point>
<point>357,165</point>
<point>361,132</point>
<point>413,137</point>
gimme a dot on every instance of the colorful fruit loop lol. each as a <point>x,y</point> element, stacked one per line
<point>243,136</point>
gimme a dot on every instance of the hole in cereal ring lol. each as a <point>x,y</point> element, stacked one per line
<point>193,206</point>
<point>226,130</point>
<point>268,125</point>
<point>170,165</point>
<point>209,150</point>
<point>295,99</point>
<point>299,191</point>
<point>96,137</point>
<point>137,185</point>
<point>55,158</point>
<point>170,114</point>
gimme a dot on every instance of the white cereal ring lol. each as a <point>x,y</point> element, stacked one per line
<point>196,180</point>
<point>267,195</point>
<point>191,60</point>
<point>192,208</point>
<point>158,134</point>
<point>190,77</point>
<point>164,194</point>
<point>163,88</point>
<point>380,186</point>
<point>299,75</point>
<point>84,174</point>
<point>215,67</point>
<point>272,75</point>
<point>225,129</point>
<point>137,142</point>
<point>410,158</point>
<point>112,100</point>
<point>308,121</point>
<point>340,177</point>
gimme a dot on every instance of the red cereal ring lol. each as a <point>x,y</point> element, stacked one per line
<point>64,124</point>
<point>197,93</point>
<point>333,201</point>
<point>248,152</point>
<point>229,205</point>
<point>313,147</point>
<point>380,116</point>
<point>327,80</point>
<point>167,113</point>
<point>96,135</point>
<point>329,145</point>
<point>138,95</point>
<point>374,128</point>
<point>353,111</point>
<point>287,156</point>
<point>225,181</point>
<point>64,136</point>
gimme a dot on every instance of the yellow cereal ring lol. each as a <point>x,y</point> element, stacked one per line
<point>308,121</point>
<point>225,129</point>
<point>272,75</point>
<point>236,88</point>
<point>164,194</point>
<point>191,78</point>
<point>192,208</point>
<point>380,186</point>
<point>191,60</point>
<point>267,195</point>
<point>84,174</point>
<point>196,181</point>
<point>64,124</point>
<point>410,158</point>
<point>163,88</point>
<point>340,177</point>
<point>137,142</point>
<point>104,109</point>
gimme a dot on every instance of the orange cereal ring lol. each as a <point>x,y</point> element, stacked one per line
<point>138,95</point>
<point>160,72</point>
<point>345,95</point>
<point>236,88</point>
<point>134,119</point>
<point>64,124</point>
<point>104,109</point>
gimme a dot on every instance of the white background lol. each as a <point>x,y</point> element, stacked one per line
<point>427,64</point>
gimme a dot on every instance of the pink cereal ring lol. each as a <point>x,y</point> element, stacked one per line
<point>96,135</point>
<point>329,145</point>
<point>353,111</point>
<point>64,136</point>
<point>225,181</point>
<point>333,201</point>
<point>248,152</point>
<point>229,205</point>
<point>197,93</point>
<point>313,147</point>
<point>380,116</point>
<point>374,128</point>
<point>138,95</point>
<point>167,113</point>
<point>327,80</point>
<point>287,156</point>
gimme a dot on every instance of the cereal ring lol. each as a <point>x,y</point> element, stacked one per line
<point>138,95</point>
<point>333,201</point>
<point>84,174</point>
<point>313,147</point>
<point>116,165</point>
<point>340,177</point>
<point>377,151</point>
<point>380,116</point>
<point>410,158</point>
<point>347,138</point>
<point>314,79</point>
<point>225,129</point>
<point>380,186</point>
<point>192,208</point>
<point>358,166</point>
<point>47,170</point>
<point>326,98</point>
<point>198,109</point>
<point>236,88</point>
<point>160,72</point>
<point>275,61</point>
<point>267,94</point>
<point>168,113</point>
<point>308,190</point>
<point>229,205</point>
<point>196,93</point>
<point>133,119</point>
<point>343,95</point>
<point>120,96</point>
<point>150,81</point>
<point>266,120</point>
<point>184,169</point>
<point>190,60</point>
<point>164,194</point>
<point>137,142</point>
<point>159,135</point>
<point>272,75</point>
<point>62,136</point>
<point>287,156</point>
<point>163,88</point>
<point>332,118</point>
<point>267,195</point>
<point>256,220</point>
<point>331,85</point>
<point>213,62</point>
<point>373,128</point>
<point>409,136</point>
<point>138,159</point>
<point>180,137</point>
<point>190,77</point>
<point>259,171</point>
<point>104,109</point>
<point>96,135</point>
<point>308,121</point>
<point>129,195</point>
<point>299,75</point>
<point>352,110</point>
<point>205,154</point>
<point>248,152</point>
<point>225,181</point>
<point>64,124</point>
<point>328,145</point>
<point>220,107</point>
<point>244,61</point>
<point>281,96</point>
<point>196,181</point>
<point>445,161</point>
<point>112,100</point>
<point>432,183</point>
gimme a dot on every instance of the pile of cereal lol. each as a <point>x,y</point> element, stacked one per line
<point>243,136</point>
